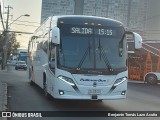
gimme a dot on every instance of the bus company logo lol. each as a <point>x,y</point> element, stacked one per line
<point>92,80</point>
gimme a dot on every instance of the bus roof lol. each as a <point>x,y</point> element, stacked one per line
<point>82,19</point>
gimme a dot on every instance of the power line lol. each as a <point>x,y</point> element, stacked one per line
<point>20,32</point>
<point>26,25</point>
<point>26,21</point>
<point>29,22</point>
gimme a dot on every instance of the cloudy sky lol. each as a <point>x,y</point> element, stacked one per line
<point>23,24</point>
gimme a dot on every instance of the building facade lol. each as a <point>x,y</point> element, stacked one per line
<point>153,20</point>
<point>132,13</point>
<point>56,7</point>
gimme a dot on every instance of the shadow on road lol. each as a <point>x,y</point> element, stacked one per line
<point>73,105</point>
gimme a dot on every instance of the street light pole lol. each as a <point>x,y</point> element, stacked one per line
<point>5,42</point>
<point>4,54</point>
<point>18,18</point>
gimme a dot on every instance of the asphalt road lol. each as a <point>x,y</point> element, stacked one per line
<point>23,97</point>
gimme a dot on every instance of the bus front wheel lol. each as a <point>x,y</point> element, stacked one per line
<point>46,94</point>
<point>30,77</point>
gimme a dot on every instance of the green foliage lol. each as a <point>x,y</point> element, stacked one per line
<point>12,43</point>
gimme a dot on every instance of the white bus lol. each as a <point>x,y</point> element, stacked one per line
<point>80,57</point>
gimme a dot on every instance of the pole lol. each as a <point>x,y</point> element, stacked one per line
<point>5,43</point>
<point>1,17</point>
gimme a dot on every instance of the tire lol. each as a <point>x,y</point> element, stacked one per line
<point>46,94</point>
<point>30,78</point>
<point>32,83</point>
<point>151,79</point>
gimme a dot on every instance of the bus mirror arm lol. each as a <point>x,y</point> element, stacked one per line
<point>52,64</point>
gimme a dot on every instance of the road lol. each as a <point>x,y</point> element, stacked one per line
<point>23,97</point>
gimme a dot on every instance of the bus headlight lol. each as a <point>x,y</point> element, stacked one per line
<point>119,81</point>
<point>67,80</point>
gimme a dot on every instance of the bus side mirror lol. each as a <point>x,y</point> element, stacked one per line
<point>134,41</point>
<point>55,35</point>
<point>138,40</point>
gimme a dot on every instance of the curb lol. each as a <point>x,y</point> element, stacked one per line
<point>4,108</point>
<point>3,96</point>
<point>135,81</point>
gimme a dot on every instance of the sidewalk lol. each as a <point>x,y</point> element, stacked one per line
<point>3,93</point>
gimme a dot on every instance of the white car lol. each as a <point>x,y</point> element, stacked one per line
<point>152,78</point>
<point>21,65</point>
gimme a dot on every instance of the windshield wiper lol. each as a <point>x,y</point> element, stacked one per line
<point>62,52</point>
<point>83,57</point>
<point>104,56</point>
<point>120,46</point>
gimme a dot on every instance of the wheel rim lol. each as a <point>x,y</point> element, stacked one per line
<point>151,79</point>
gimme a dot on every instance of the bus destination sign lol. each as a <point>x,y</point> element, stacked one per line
<point>90,31</point>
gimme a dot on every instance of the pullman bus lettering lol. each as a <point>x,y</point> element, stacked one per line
<point>92,80</point>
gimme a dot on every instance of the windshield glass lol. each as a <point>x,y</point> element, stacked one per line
<point>92,48</point>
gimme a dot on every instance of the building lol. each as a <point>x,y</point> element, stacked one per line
<point>132,13</point>
<point>56,7</point>
<point>153,20</point>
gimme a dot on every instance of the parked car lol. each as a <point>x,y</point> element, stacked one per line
<point>21,65</point>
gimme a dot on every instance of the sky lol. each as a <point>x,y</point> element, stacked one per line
<point>22,7</point>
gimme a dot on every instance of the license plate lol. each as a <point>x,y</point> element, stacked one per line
<point>94,91</point>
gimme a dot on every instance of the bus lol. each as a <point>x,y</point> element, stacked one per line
<point>80,57</point>
<point>22,56</point>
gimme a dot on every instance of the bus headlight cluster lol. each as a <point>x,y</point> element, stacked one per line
<point>67,80</point>
<point>119,81</point>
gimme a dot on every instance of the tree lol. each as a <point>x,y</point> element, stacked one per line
<point>12,43</point>
<point>1,44</point>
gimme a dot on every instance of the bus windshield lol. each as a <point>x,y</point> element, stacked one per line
<point>95,48</point>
